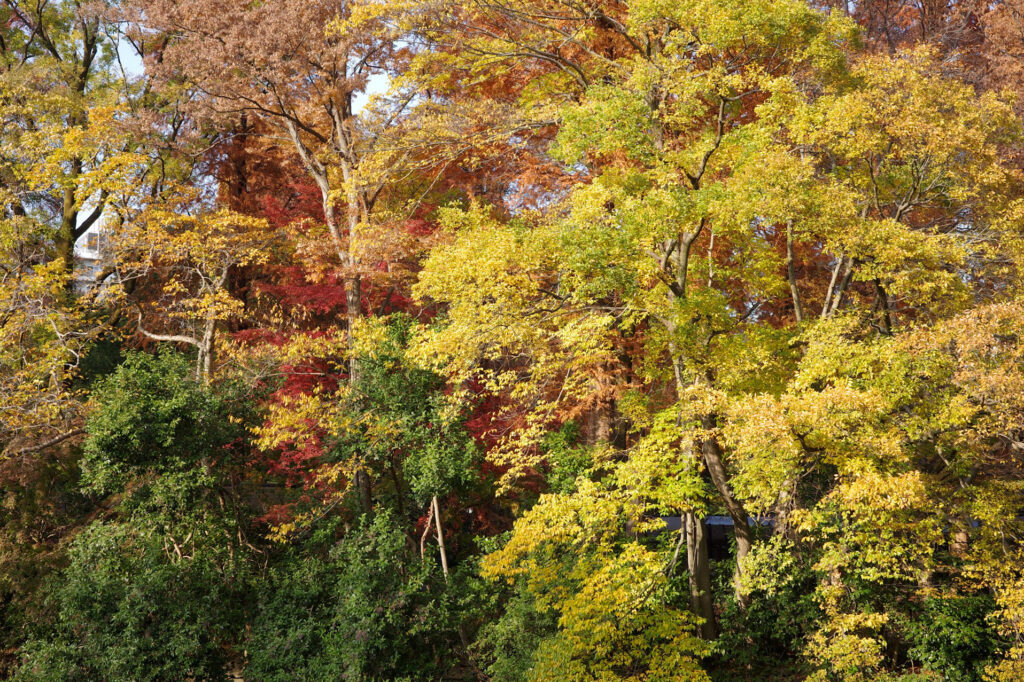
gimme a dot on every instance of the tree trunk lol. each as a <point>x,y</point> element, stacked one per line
<point>699,566</point>
<point>204,359</point>
<point>440,537</point>
<point>353,307</point>
<point>426,530</point>
<point>364,489</point>
<point>346,256</point>
<point>715,464</point>
<point>783,510</point>
<point>798,308</point>
<point>960,541</point>
<point>826,307</point>
<point>64,242</point>
<point>599,424</point>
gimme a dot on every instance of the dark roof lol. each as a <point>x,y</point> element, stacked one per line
<point>675,522</point>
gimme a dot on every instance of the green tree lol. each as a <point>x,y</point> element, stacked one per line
<point>156,589</point>
<point>367,609</point>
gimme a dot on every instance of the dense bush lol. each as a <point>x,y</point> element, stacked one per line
<point>128,610</point>
<point>952,636</point>
<point>368,610</point>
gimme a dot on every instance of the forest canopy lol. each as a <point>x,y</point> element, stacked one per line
<point>511,340</point>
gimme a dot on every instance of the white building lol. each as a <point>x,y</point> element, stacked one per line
<point>91,253</point>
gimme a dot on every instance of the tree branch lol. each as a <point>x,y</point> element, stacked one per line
<point>53,441</point>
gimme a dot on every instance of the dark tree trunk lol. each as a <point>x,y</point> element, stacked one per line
<point>699,566</point>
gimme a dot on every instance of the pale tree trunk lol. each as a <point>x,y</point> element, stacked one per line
<point>599,425</point>
<point>826,307</point>
<point>426,530</point>
<point>346,255</point>
<point>674,261</point>
<point>714,462</point>
<point>356,212</point>
<point>440,537</point>
<point>203,346</point>
<point>697,561</point>
<point>353,307</point>
<point>204,361</point>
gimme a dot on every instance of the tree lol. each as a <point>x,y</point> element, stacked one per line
<point>370,609</point>
<point>393,425</point>
<point>671,124</point>
<point>297,67</point>
<point>611,595</point>
<point>154,589</point>
<point>60,93</point>
<point>192,258</point>
<point>737,217</point>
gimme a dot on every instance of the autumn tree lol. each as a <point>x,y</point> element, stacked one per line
<point>63,157</point>
<point>299,68</point>
<point>666,121</point>
<point>61,89</point>
<point>461,352</point>
<point>190,257</point>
